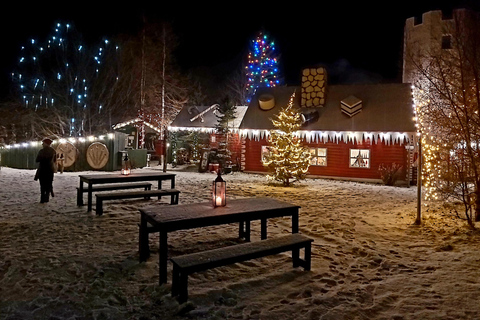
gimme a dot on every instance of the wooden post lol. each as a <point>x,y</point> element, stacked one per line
<point>418,221</point>
<point>165,149</point>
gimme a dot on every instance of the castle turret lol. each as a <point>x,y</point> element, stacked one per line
<point>429,36</point>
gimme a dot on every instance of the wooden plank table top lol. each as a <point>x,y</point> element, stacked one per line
<point>166,219</point>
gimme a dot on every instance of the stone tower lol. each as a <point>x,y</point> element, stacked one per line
<point>424,36</point>
<point>431,35</point>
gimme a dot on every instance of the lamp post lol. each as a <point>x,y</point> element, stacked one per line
<point>219,191</point>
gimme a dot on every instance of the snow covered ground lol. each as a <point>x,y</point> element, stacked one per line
<point>369,261</point>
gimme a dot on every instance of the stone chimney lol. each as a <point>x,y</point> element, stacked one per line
<point>314,82</point>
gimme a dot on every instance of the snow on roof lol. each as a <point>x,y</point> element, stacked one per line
<point>203,117</point>
<point>385,108</point>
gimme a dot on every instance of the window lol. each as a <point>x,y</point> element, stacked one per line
<point>446,42</point>
<point>359,158</point>
<point>265,152</point>
<point>319,156</point>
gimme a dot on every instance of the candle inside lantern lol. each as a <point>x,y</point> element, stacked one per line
<point>219,191</point>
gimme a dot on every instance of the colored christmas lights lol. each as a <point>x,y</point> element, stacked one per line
<point>262,69</point>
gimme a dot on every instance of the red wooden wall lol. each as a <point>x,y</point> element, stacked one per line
<point>338,157</point>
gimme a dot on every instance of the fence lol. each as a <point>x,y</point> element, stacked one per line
<point>23,155</point>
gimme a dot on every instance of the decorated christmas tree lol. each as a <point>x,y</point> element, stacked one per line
<point>262,69</point>
<point>288,160</point>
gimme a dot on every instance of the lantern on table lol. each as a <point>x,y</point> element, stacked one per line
<point>219,192</point>
<point>126,165</point>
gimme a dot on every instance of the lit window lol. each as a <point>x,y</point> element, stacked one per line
<point>318,156</point>
<point>359,158</point>
<point>265,153</point>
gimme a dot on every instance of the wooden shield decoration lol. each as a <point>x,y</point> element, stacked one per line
<point>97,155</point>
<point>69,153</point>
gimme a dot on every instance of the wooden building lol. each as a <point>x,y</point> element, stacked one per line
<point>351,130</point>
<point>205,119</point>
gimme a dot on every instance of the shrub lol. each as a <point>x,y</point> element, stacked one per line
<point>389,174</point>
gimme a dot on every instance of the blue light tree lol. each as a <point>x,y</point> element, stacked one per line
<point>68,81</point>
<point>263,68</point>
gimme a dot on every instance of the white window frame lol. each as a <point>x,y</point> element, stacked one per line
<point>316,155</point>
<point>365,157</point>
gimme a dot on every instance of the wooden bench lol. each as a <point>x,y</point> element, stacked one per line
<point>109,187</point>
<point>100,197</point>
<point>187,264</point>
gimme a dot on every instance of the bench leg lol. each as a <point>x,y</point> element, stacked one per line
<point>163,256</point>
<point>296,257</point>
<point>79,198</point>
<point>143,246</point>
<point>183,290</point>
<point>174,199</point>
<point>99,207</point>
<point>146,189</point>
<point>175,279</point>
<point>308,257</point>
<point>306,263</point>
<point>263,229</point>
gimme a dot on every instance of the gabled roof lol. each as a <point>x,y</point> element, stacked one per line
<point>132,122</point>
<point>385,108</point>
<point>203,117</point>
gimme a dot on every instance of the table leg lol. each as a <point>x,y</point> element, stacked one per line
<point>295,222</point>
<point>89,197</point>
<point>173,183</point>
<point>263,230</point>
<point>159,184</point>
<point>143,246</point>
<point>163,256</point>
<point>241,229</point>
<point>80,194</point>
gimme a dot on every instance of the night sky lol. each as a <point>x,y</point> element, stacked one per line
<point>356,41</point>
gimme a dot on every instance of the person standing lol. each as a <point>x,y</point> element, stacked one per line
<point>46,159</point>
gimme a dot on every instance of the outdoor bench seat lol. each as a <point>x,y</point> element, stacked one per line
<point>115,186</point>
<point>100,197</point>
<point>187,264</point>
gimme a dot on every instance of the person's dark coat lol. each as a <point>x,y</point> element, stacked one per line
<point>46,158</point>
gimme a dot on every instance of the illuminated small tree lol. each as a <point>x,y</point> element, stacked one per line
<point>288,158</point>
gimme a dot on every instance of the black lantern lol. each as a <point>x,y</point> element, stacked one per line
<point>126,165</point>
<point>219,192</point>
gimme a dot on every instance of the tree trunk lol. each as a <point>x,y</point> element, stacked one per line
<point>477,204</point>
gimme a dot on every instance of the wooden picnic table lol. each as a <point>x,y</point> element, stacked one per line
<point>92,179</point>
<point>166,219</point>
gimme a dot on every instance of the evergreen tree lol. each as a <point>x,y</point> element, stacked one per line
<point>263,65</point>
<point>225,115</point>
<point>288,158</point>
